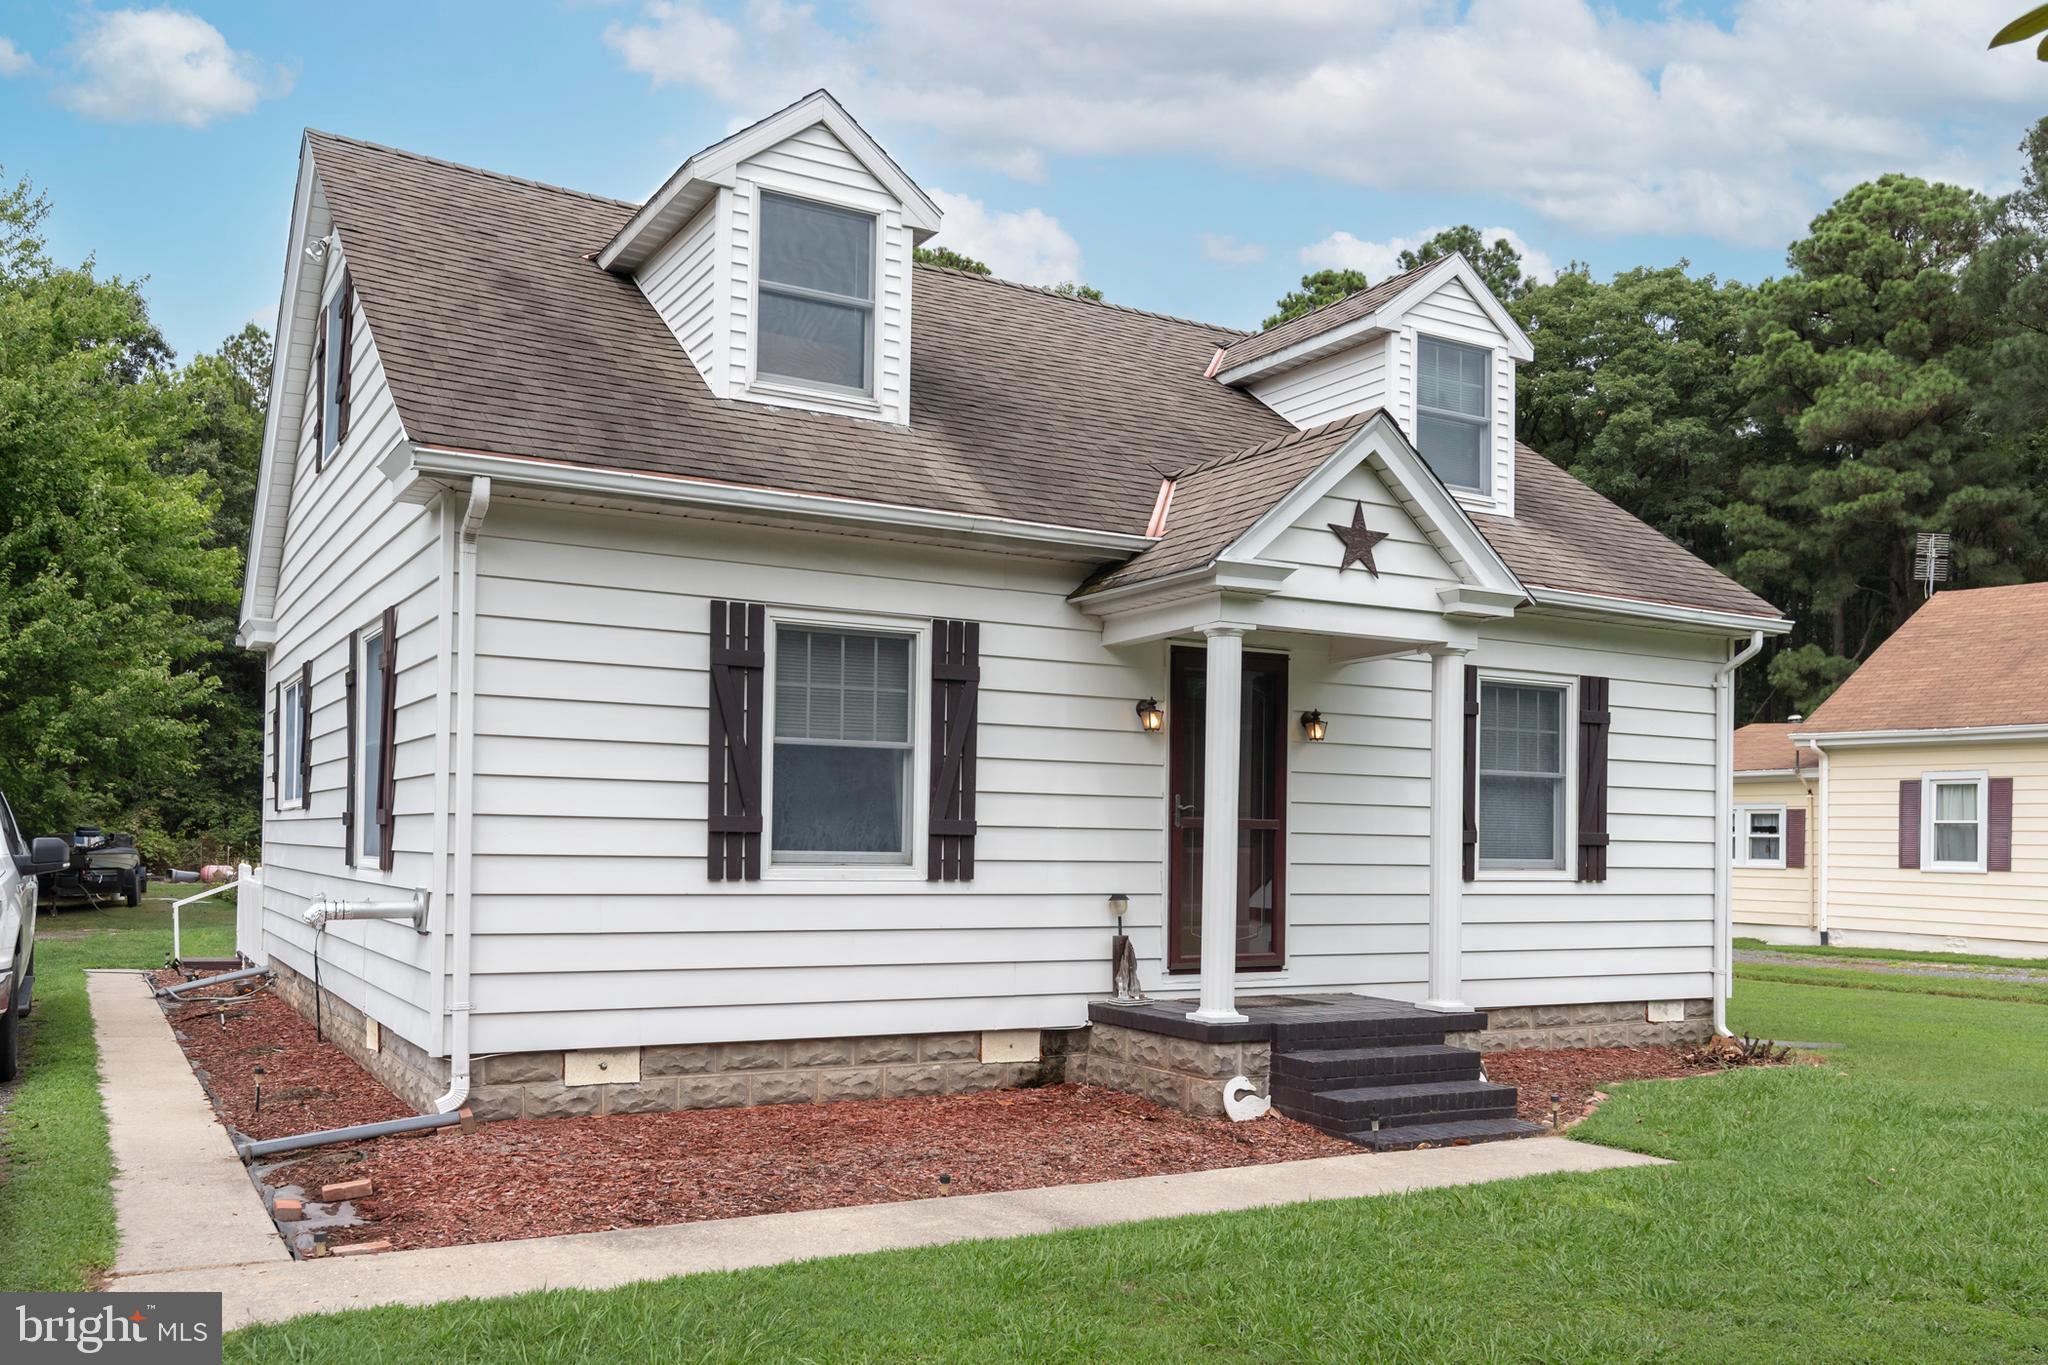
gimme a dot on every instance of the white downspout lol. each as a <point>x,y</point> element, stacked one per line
<point>1724,802</point>
<point>1820,852</point>
<point>464,794</point>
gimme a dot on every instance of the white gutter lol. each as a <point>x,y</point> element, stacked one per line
<point>432,461</point>
<point>1724,802</point>
<point>1943,734</point>
<point>1663,613</point>
<point>465,796</point>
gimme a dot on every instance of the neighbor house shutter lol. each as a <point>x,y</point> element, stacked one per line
<point>1471,794</point>
<point>344,378</point>
<point>1998,838</point>
<point>739,658</point>
<point>956,688</point>
<point>320,393</point>
<point>1909,822</point>
<point>306,735</point>
<point>348,725</point>
<point>276,747</point>
<point>1594,722</point>
<point>387,785</point>
<point>1795,838</point>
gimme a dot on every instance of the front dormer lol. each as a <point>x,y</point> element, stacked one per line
<point>1431,346</point>
<point>781,260</point>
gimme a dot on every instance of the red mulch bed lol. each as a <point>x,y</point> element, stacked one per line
<point>1579,1077</point>
<point>541,1177</point>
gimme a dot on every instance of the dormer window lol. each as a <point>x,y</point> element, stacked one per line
<point>817,295</point>
<point>1451,426</point>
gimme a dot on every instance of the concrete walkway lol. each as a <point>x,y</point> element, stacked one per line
<point>191,1219</point>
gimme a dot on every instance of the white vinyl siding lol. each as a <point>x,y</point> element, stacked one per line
<point>681,280</point>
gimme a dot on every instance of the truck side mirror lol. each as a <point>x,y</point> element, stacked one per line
<point>47,854</point>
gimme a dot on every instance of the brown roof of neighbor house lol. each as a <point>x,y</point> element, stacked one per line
<point>1327,318</point>
<point>1975,656</point>
<point>1766,747</point>
<point>499,334</point>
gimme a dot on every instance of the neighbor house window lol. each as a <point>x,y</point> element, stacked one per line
<point>1955,816</point>
<point>370,830</point>
<point>817,294</point>
<point>1759,836</point>
<point>291,741</point>
<point>1451,426</point>
<point>1521,775</point>
<point>842,747</point>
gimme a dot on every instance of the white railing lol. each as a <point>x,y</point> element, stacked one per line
<point>248,914</point>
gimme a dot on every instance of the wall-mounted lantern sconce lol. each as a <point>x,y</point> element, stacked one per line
<point>1150,716</point>
<point>1314,726</point>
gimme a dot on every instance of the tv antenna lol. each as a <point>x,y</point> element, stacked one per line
<point>1932,560</point>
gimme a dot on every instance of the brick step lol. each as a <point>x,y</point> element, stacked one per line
<point>1394,1029</point>
<point>1328,1068</point>
<point>1392,1105</point>
<point>1456,1133</point>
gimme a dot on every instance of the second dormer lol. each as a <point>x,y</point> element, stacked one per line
<point>1432,346</point>
<point>780,258</point>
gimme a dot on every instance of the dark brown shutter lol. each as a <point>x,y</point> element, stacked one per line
<point>348,725</point>
<point>1594,722</point>
<point>1998,841</point>
<point>344,376</point>
<point>276,747</point>
<point>320,393</point>
<point>739,657</point>
<point>1795,838</point>
<point>956,696</point>
<point>1471,794</point>
<point>387,758</point>
<point>306,734</point>
<point>1909,822</point>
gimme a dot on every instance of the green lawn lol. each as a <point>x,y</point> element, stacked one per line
<point>1847,976</point>
<point>1876,1208</point>
<point>2034,964</point>
<point>56,1212</point>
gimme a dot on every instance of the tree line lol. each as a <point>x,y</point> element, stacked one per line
<point>1796,433</point>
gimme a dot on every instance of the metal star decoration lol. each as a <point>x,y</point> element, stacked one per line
<point>1358,541</point>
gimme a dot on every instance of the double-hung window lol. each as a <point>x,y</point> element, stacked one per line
<point>291,744</point>
<point>1954,817</point>
<point>1759,836</point>
<point>1451,426</point>
<point>1522,797</point>
<point>375,716</point>
<point>817,295</point>
<point>842,778</point>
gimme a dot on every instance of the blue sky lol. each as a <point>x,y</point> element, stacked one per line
<point>1182,157</point>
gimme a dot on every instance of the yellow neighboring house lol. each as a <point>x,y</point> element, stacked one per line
<point>1911,809</point>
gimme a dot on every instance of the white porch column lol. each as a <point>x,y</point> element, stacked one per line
<point>1446,828</point>
<point>1225,681</point>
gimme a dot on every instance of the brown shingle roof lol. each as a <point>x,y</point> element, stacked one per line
<point>499,335</point>
<point>1766,747</point>
<point>1976,656</point>
<point>1327,318</point>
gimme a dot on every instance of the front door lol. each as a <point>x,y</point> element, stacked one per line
<point>1261,823</point>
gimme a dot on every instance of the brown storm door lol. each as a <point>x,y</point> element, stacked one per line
<point>1261,810</point>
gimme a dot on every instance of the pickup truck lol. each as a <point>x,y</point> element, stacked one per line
<point>25,863</point>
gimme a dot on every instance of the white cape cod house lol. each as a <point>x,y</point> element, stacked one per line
<point>774,660</point>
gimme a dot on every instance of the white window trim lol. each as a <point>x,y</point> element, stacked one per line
<point>290,709</point>
<point>1484,871</point>
<point>1928,862</point>
<point>790,387</point>
<point>364,806</point>
<point>1739,836</point>
<point>783,873</point>
<point>1485,492</point>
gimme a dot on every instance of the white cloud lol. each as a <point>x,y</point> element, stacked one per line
<point>164,66</point>
<point>1226,250</point>
<point>1028,246</point>
<point>1668,124</point>
<point>1377,260</point>
<point>13,61</point>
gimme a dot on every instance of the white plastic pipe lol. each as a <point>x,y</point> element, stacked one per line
<point>1724,804</point>
<point>464,796</point>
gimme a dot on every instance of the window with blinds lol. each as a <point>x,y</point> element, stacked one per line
<point>817,294</point>
<point>1956,816</point>
<point>1451,426</point>
<point>1521,776</point>
<point>843,747</point>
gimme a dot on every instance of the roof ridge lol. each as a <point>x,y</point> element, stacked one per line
<point>1280,442</point>
<point>1051,292</point>
<point>467,168</point>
